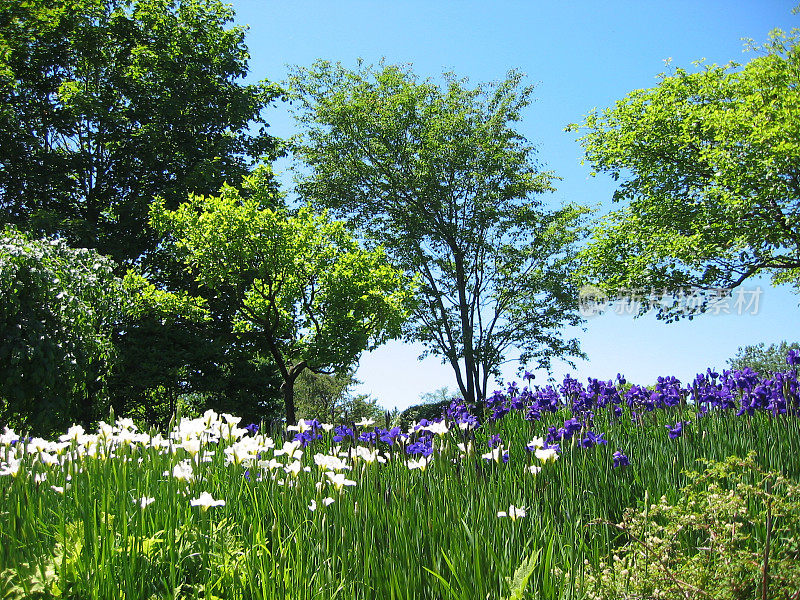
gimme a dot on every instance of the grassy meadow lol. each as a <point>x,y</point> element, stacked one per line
<point>540,497</point>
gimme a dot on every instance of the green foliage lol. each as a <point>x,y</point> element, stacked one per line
<point>438,395</point>
<point>329,399</point>
<point>170,345</point>
<point>417,412</point>
<point>105,105</point>
<point>56,318</point>
<point>174,344</point>
<point>712,541</point>
<point>763,359</point>
<point>440,177</point>
<point>399,532</point>
<point>109,103</point>
<point>519,582</point>
<point>149,300</point>
<point>322,396</point>
<point>301,282</point>
<point>708,164</point>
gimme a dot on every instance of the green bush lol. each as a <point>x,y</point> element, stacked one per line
<point>735,528</point>
<point>422,411</point>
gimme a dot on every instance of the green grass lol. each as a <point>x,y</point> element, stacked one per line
<point>398,533</point>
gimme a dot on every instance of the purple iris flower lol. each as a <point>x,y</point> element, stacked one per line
<point>591,439</point>
<point>620,460</point>
<point>675,431</point>
<point>252,428</point>
<point>368,436</point>
<point>423,446</point>
<point>390,435</point>
<point>533,414</point>
<point>307,436</point>
<point>342,432</point>
<point>495,440</point>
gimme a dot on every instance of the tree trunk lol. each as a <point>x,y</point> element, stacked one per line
<point>466,329</point>
<point>287,389</point>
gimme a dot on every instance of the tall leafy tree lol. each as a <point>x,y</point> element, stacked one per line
<point>300,281</point>
<point>107,104</point>
<point>709,165</point>
<point>166,353</point>
<point>104,105</point>
<point>441,177</point>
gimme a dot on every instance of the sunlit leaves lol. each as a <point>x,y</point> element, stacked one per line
<point>58,307</point>
<point>108,103</point>
<point>300,280</point>
<point>707,164</point>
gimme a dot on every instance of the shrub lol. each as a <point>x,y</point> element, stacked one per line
<point>735,529</point>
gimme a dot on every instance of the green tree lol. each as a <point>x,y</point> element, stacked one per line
<point>440,177</point>
<point>165,352</point>
<point>107,104</point>
<point>56,319</point>
<point>442,394</point>
<point>329,398</point>
<point>322,396</point>
<point>300,281</point>
<point>763,359</point>
<point>104,105</point>
<point>709,163</point>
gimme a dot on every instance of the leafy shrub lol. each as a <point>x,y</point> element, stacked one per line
<point>58,307</point>
<point>735,528</point>
<point>418,412</point>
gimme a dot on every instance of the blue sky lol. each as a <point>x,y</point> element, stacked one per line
<point>580,55</point>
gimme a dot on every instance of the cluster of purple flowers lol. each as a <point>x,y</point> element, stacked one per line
<point>572,426</point>
<point>676,431</point>
<point>313,432</point>
<point>423,446</point>
<point>343,432</point>
<point>742,390</point>
<point>460,413</point>
<point>390,436</point>
<point>748,393</point>
<point>620,460</point>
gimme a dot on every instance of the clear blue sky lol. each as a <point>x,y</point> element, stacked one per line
<point>580,55</point>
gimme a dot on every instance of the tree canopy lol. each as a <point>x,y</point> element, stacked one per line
<point>315,298</point>
<point>439,175</point>
<point>709,165</point>
<point>106,104</point>
<point>330,399</point>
